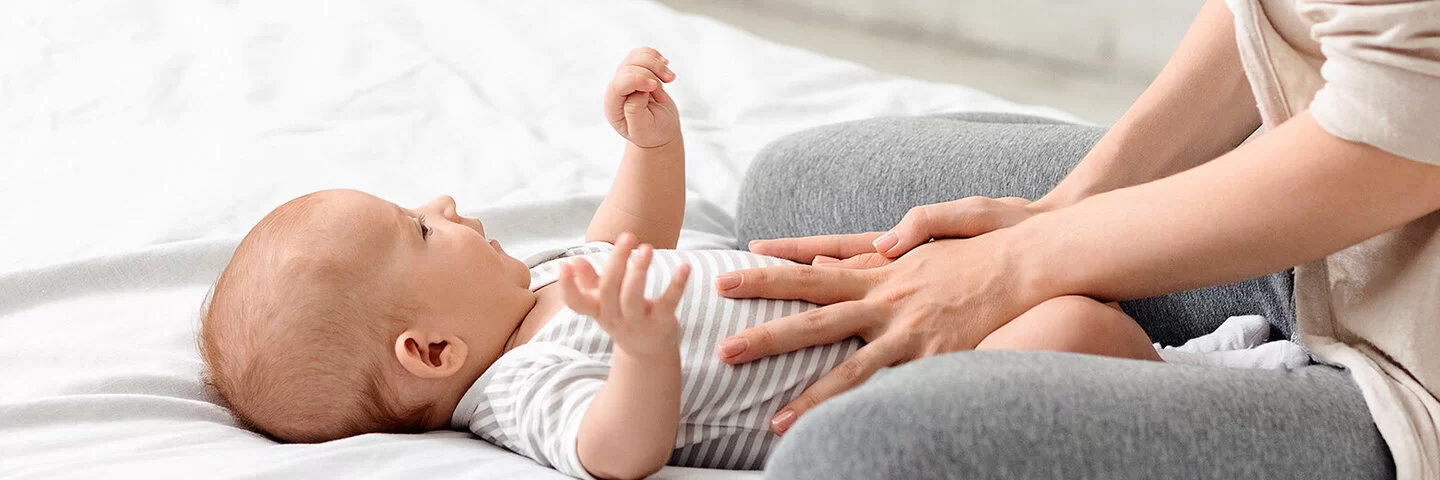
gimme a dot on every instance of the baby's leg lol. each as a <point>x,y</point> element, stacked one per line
<point>1074,324</point>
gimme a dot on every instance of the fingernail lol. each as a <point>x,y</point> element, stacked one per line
<point>781,422</point>
<point>733,346</point>
<point>753,244</point>
<point>727,281</point>
<point>824,260</point>
<point>885,242</point>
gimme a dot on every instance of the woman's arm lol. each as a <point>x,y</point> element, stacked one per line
<point>1294,195</point>
<point>1199,107</point>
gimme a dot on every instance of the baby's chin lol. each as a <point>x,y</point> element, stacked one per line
<point>522,271</point>
<point>523,275</point>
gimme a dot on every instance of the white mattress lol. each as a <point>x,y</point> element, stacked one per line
<point>140,139</point>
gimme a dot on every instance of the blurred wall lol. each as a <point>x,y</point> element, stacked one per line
<point>1120,38</point>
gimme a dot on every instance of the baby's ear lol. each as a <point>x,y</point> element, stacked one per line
<point>429,355</point>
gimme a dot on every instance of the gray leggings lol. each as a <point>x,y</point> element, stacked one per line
<point>1036,414</point>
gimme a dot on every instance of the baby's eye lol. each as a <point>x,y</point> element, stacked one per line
<point>425,230</point>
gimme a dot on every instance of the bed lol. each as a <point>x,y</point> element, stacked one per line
<point>139,140</point>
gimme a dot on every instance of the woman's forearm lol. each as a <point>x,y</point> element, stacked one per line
<point>1199,107</point>
<point>1294,195</point>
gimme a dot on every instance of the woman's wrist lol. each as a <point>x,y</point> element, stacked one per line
<point>1028,267</point>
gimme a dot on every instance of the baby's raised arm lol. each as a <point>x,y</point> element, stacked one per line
<point>648,196</point>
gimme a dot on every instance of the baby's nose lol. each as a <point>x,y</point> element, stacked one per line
<point>445,206</point>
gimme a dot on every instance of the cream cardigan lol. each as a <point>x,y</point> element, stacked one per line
<point>1369,71</point>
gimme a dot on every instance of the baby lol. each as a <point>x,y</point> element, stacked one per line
<point>342,314</point>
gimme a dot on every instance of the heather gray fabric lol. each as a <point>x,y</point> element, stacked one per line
<point>864,175</point>
<point>1040,415</point>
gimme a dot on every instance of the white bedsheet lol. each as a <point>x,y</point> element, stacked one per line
<point>140,139</point>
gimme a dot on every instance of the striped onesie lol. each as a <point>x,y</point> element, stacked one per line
<point>532,399</point>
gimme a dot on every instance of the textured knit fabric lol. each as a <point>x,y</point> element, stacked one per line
<point>1369,72</point>
<point>1044,415</point>
<point>862,176</point>
<point>1035,414</point>
<point>532,399</point>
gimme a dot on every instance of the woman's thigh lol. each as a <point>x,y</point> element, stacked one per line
<point>864,175</point>
<point>1057,415</point>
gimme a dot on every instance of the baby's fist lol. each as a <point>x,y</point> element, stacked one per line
<point>636,103</point>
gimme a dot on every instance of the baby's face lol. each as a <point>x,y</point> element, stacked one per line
<point>444,264</point>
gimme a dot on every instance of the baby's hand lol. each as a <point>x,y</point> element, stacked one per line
<point>636,103</point>
<point>638,326</point>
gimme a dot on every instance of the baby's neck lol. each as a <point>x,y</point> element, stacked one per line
<point>548,302</point>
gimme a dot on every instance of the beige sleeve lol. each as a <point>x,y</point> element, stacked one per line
<point>1382,73</point>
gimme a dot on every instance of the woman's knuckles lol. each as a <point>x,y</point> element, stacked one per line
<point>854,369</point>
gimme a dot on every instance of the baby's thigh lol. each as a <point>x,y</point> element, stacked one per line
<point>1074,324</point>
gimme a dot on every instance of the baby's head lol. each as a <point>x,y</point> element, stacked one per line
<point>342,314</point>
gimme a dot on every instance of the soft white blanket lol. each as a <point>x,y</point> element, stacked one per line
<point>140,139</point>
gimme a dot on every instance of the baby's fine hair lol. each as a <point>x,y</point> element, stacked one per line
<point>294,333</point>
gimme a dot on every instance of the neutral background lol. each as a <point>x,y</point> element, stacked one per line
<point>1088,57</point>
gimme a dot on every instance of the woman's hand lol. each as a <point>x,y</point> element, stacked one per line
<point>943,296</point>
<point>966,217</point>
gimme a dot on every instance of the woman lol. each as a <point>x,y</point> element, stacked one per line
<point>1344,180</point>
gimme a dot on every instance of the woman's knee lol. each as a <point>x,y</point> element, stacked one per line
<point>1074,324</point>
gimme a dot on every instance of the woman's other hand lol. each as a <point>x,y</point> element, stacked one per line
<point>963,218</point>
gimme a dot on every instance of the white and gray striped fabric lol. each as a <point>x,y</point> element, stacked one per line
<point>532,399</point>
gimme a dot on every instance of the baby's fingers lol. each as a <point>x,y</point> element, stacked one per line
<point>660,95</point>
<point>671,298</point>
<point>649,59</point>
<point>626,83</point>
<point>638,79</point>
<point>632,296</point>
<point>615,274</point>
<point>576,299</point>
<point>585,275</point>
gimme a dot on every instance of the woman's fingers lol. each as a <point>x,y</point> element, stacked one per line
<point>966,217</point>
<point>820,326</point>
<point>797,282</point>
<point>849,374</point>
<point>805,249</point>
<point>615,273</point>
<point>632,293</point>
<point>861,261</point>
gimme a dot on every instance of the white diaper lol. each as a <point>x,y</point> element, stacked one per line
<point>1240,342</point>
